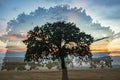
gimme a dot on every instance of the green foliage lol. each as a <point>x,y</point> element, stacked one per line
<point>55,39</point>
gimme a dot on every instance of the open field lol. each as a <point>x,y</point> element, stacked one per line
<point>91,74</point>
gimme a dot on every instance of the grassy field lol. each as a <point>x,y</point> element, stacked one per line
<point>91,74</point>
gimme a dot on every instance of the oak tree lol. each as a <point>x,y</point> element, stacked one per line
<point>58,39</point>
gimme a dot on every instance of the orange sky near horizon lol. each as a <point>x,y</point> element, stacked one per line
<point>115,54</point>
<point>100,46</point>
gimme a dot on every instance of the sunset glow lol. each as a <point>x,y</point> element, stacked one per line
<point>114,54</point>
<point>18,17</point>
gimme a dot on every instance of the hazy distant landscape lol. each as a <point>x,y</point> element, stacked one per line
<point>14,56</point>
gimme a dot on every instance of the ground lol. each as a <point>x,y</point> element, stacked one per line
<point>91,74</point>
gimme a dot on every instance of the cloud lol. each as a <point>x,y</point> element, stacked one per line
<point>16,36</point>
<point>117,35</point>
<point>106,12</point>
<point>25,22</point>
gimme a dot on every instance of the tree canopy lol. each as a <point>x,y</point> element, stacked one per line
<point>58,39</point>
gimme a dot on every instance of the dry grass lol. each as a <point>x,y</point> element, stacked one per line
<point>93,74</point>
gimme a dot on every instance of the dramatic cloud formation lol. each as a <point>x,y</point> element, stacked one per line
<point>24,22</point>
<point>106,12</point>
<point>90,18</point>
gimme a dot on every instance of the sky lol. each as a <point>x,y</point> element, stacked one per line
<point>100,18</point>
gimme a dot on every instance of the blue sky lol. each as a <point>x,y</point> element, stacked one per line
<point>100,18</point>
<point>105,12</point>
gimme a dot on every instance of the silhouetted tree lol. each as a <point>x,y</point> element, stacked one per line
<point>57,39</point>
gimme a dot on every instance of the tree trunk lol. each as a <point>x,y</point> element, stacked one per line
<point>64,69</point>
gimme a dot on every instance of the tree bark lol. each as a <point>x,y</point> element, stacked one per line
<point>64,69</point>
